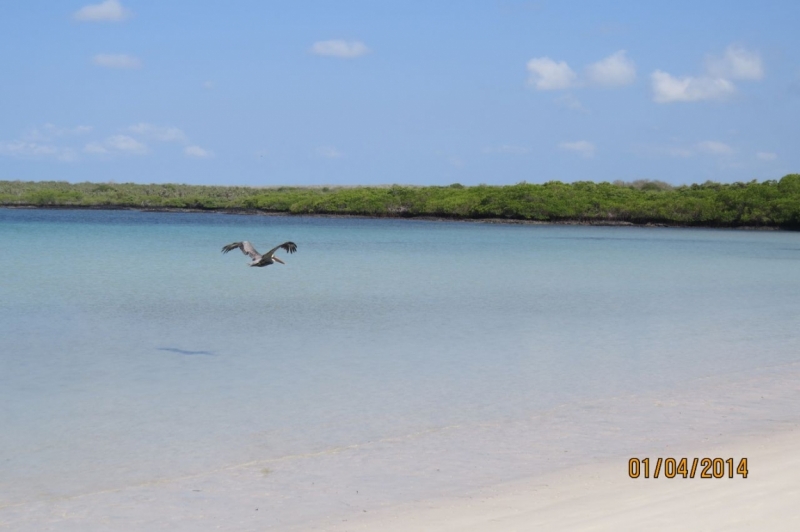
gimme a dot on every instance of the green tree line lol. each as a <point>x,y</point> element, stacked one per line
<point>772,203</point>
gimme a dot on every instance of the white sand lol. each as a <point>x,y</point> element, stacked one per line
<point>590,497</point>
<point>603,497</point>
<point>369,486</point>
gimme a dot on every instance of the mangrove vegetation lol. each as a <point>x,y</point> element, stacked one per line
<point>772,203</point>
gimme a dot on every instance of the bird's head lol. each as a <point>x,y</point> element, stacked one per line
<point>276,259</point>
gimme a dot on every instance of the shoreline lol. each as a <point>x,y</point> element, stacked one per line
<point>598,496</point>
<point>602,497</point>
<point>482,477</point>
<point>503,221</point>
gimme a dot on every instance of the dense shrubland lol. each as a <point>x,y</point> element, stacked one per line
<point>770,203</point>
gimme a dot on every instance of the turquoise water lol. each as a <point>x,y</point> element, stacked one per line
<point>134,351</point>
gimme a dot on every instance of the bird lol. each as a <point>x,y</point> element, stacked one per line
<point>260,260</point>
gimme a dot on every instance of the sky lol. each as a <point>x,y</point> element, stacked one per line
<point>365,92</point>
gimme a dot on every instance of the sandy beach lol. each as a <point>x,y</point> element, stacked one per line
<point>603,497</point>
<point>377,486</point>
<point>594,497</point>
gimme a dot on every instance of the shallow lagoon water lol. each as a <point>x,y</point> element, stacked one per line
<point>134,352</point>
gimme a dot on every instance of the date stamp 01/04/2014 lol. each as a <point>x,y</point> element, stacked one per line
<point>681,467</point>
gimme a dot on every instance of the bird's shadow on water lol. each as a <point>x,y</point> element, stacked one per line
<point>186,351</point>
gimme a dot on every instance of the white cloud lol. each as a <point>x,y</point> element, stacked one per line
<point>37,143</point>
<point>507,149</point>
<point>713,147</point>
<point>329,152</point>
<point>571,102</point>
<point>737,63</point>
<point>108,11</point>
<point>340,48</point>
<point>197,151</point>
<point>117,144</point>
<point>51,131</point>
<point>78,130</point>
<point>126,144</point>
<point>546,74</point>
<point>679,152</point>
<point>162,133</point>
<point>667,88</point>
<point>767,155</point>
<point>684,151</point>
<point>582,147</point>
<point>116,61</point>
<point>34,150</point>
<point>615,70</point>
<point>95,147</point>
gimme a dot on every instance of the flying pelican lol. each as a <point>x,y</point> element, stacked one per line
<point>260,260</point>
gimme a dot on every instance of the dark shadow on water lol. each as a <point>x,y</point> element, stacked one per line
<point>185,351</point>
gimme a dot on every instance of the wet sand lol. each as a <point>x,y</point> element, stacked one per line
<point>562,469</point>
<point>603,497</point>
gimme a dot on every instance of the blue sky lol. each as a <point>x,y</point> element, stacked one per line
<point>409,92</point>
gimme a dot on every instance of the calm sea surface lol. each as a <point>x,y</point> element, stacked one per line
<point>132,350</point>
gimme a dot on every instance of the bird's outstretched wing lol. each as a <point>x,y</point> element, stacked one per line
<point>246,247</point>
<point>290,247</point>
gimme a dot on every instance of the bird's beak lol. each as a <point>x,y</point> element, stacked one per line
<point>276,259</point>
